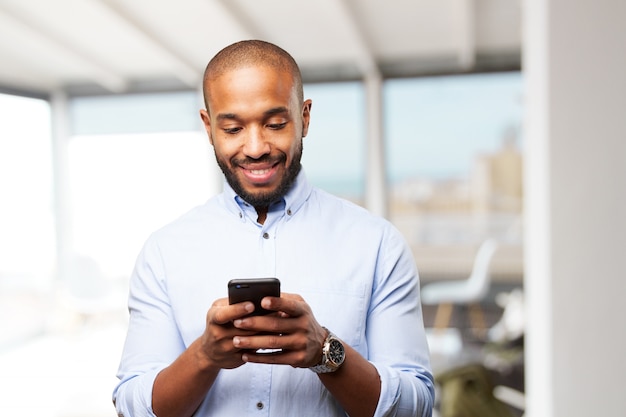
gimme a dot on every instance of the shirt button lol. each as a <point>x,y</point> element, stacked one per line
<point>259,405</point>
<point>289,212</point>
<point>240,215</point>
<point>266,235</point>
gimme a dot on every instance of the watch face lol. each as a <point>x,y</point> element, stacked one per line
<point>336,353</point>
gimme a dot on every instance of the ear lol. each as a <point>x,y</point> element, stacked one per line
<point>206,121</point>
<point>306,116</point>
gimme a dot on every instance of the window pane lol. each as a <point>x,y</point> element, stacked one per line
<point>136,113</point>
<point>334,149</point>
<point>26,218</point>
<point>123,187</point>
<point>455,167</point>
<point>27,242</point>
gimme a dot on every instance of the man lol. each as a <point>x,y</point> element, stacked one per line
<point>188,351</point>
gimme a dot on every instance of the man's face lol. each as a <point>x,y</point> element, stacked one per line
<point>256,126</point>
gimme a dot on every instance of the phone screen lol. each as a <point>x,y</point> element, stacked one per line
<point>253,289</point>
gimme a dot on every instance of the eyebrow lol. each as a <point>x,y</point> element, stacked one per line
<point>226,116</point>
<point>268,113</point>
<point>276,110</point>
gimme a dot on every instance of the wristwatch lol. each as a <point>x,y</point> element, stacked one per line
<point>333,355</point>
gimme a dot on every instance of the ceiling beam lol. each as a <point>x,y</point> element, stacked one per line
<point>186,71</point>
<point>467,34</point>
<point>104,75</point>
<point>240,17</point>
<point>365,59</point>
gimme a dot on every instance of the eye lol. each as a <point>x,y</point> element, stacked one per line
<point>276,126</point>
<point>231,130</point>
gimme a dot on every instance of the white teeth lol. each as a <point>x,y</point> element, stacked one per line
<point>259,171</point>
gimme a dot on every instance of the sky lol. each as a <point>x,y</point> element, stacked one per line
<point>433,126</point>
<point>444,121</point>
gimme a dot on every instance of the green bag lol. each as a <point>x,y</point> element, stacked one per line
<point>468,392</point>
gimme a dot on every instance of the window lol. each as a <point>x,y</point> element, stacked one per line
<point>125,186</point>
<point>334,150</point>
<point>27,240</point>
<point>454,165</point>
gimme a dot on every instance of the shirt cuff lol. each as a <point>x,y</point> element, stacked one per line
<point>403,394</point>
<point>389,391</point>
<point>133,397</point>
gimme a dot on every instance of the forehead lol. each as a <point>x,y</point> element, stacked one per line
<point>252,86</point>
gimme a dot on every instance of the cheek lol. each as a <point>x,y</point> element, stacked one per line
<point>291,142</point>
<point>295,152</point>
<point>223,149</point>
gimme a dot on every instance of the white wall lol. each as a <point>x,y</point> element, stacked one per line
<point>575,69</point>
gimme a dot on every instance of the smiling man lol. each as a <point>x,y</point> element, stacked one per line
<point>188,352</point>
<point>257,143</point>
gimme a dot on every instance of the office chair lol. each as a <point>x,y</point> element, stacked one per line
<point>470,291</point>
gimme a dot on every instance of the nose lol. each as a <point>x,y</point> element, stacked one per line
<point>255,145</point>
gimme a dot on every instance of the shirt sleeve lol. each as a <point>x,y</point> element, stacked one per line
<point>153,340</point>
<point>395,332</point>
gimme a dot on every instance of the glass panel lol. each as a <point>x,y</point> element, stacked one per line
<point>27,243</point>
<point>124,187</point>
<point>334,150</point>
<point>454,152</point>
<point>136,113</point>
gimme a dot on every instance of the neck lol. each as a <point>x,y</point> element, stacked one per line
<point>261,214</point>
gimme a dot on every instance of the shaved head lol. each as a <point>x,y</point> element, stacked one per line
<point>252,53</point>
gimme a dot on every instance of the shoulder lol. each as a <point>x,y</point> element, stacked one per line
<point>343,212</point>
<point>197,219</point>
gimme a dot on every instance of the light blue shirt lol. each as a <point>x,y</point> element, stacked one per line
<point>354,270</point>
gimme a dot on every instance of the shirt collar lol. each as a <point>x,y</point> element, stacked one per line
<point>292,201</point>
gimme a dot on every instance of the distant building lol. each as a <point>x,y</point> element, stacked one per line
<point>496,179</point>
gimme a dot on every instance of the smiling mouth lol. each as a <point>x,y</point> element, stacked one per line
<point>258,171</point>
<point>260,176</point>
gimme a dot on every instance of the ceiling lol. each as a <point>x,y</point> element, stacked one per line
<point>116,46</point>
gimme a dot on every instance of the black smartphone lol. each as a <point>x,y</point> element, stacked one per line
<point>253,289</point>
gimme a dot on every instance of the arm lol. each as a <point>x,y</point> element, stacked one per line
<point>181,387</point>
<point>159,374</point>
<point>396,339</point>
<point>356,385</point>
<point>391,374</point>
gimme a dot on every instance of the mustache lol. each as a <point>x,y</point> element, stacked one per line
<point>266,159</point>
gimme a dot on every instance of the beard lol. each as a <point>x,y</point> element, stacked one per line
<point>263,198</point>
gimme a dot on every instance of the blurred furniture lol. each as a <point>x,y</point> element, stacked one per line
<point>470,391</point>
<point>469,292</point>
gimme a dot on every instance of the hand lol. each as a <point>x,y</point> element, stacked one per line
<point>293,330</point>
<point>217,341</point>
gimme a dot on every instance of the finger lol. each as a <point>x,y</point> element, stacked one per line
<point>280,357</point>
<point>287,304</point>
<point>268,324</point>
<point>268,341</point>
<point>224,313</point>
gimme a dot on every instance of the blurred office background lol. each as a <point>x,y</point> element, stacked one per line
<point>463,122</point>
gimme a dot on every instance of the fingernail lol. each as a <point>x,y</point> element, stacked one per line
<point>236,341</point>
